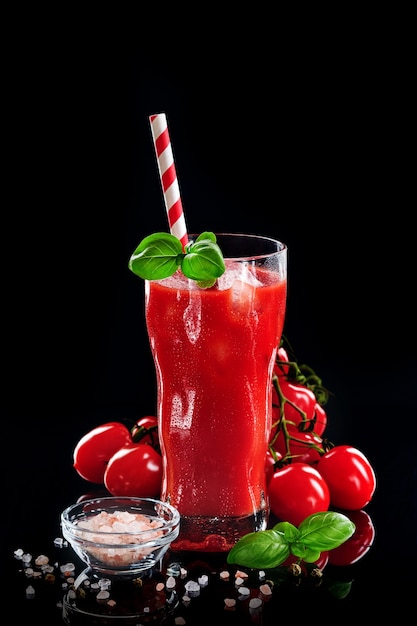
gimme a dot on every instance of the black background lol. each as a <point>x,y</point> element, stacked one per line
<point>279,128</point>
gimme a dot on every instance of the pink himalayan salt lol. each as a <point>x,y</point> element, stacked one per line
<point>120,528</point>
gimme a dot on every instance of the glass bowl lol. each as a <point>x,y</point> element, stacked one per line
<point>120,536</point>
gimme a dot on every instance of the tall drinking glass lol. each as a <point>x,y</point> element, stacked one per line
<point>214,351</point>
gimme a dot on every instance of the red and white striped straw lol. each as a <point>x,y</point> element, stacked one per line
<point>168,176</point>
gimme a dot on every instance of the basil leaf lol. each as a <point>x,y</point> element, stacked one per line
<point>203,260</point>
<point>325,531</point>
<point>309,555</point>
<point>339,589</point>
<point>290,532</point>
<point>157,256</point>
<point>263,549</point>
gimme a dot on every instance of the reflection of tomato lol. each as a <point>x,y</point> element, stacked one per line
<point>296,491</point>
<point>358,544</point>
<point>349,476</point>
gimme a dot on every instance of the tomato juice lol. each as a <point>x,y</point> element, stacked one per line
<point>214,351</point>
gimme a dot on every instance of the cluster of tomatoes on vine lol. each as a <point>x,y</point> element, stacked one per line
<point>305,473</point>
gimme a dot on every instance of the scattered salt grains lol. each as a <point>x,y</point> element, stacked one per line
<point>265,590</point>
<point>102,595</point>
<point>18,553</point>
<point>179,621</point>
<point>240,574</point>
<point>239,581</point>
<point>203,580</point>
<point>30,592</point>
<point>67,569</point>
<point>160,587</point>
<point>224,575</point>
<point>192,588</point>
<point>41,560</point>
<point>170,582</point>
<point>230,602</point>
<point>255,603</point>
<point>244,591</point>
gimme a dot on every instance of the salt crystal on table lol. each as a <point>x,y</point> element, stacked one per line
<point>254,603</point>
<point>265,590</point>
<point>244,591</point>
<point>41,560</point>
<point>30,592</point>
<point>170,582</point>
<point>192,587</point>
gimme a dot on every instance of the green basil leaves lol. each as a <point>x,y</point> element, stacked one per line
<point>159,256</point>
<point>267,549</point>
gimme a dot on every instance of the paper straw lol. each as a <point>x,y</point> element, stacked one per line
<point>168,177</point>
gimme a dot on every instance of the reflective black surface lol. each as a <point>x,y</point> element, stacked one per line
<point>83,189</point>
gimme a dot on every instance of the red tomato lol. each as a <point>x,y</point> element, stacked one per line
<point>145,430</point>
<point>358,544</point>
<point>320,419</point>
<point>296,491</point>
<point>134,470</point>
<point>94,449</point>
<point>299,405</point>
<point>280,369</point>
<point>350,477</point>
<point>270,465</point>
<point>302,447</point>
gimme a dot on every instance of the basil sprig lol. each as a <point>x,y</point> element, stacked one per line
<point>159,255</point>
<point>267,549</point>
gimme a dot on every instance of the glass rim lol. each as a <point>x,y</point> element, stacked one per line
<point>281,247</point>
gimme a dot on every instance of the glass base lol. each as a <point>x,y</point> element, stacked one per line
<point>97,600</point>
<point>216,534</point>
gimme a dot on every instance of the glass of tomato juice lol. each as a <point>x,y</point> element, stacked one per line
<point>214,350</point>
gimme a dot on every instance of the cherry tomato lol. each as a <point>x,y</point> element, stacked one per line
<point>94,449</point>
<point>302,447</point>
<point>270,464</point>
<point>280,369</point>
<point>145,430</point>
<point>319,420</point>
<point>299,406</point>
<point>358,544</point>
<point>134,470</point>
<point>296,491</point>
<point>349,475</point>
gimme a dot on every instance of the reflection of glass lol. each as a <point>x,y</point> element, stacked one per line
<point>131,601</point>
<point>214,351</point>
